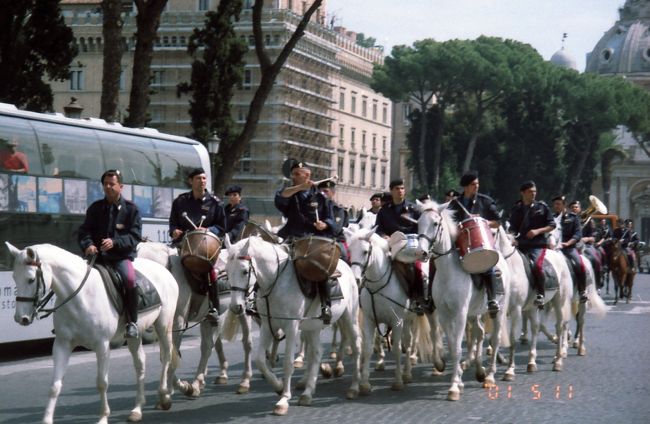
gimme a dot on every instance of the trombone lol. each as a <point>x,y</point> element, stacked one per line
<point>596,206</point>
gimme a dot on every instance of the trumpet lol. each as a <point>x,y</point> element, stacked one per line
<point>596,206</point>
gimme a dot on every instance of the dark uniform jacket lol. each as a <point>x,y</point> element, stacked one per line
<point>589,229</point>
<point>300,211</point>
<point>236,219</point>
<point>389,219</point>
<point>570,226</point>
<point>208,206</point>
<point>120,222</point>
<point>341,220</point>
<point>525,218</point>
<point>603,232</point>
<point>628,238</point>
<point>481,205</point>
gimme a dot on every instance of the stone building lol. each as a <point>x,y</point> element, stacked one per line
<point>624,50</point>
<point>321,109</point>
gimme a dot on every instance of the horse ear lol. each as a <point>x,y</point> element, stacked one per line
<point>268,226</point>
<point>12,249</point>
<point>372,231</point>
<point>226,242</point>
<point>418,203</point>
<point>348,232</point>
<point>32,255</point>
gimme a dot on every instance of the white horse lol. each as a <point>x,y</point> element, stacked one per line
<point>455,295</point>
<point>85,316</point>
<point>384,301</point>
<point>282,306</point>
<point>192,307</point>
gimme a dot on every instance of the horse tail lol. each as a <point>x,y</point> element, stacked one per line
<point>422,333</point>
<point>597,305</point>
<point>230,326</point>
<point>574,307</point>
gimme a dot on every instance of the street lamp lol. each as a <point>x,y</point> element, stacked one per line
<point>213,150</point>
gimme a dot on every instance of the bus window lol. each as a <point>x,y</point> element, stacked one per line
<point>176,160</point>
<point>61,152</point>
<point>133,156</point>
<point>18,144</point>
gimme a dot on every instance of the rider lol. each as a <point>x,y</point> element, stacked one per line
<point>471,203</point>
<point>629,241</point>
<point>198,209</point>
<point>589,235</point>
<point>532,219</point>
<point>308,212</point>
<point>341,218</point>
<point>401,215</point>
<point>571,235</point>
<point>375,203</point>
<point>113,228</point>
<point>451,195</point>
<point>236,213</point>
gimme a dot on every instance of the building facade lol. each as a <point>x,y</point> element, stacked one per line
<point>320,111</point>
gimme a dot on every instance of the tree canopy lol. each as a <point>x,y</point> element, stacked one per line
<point>34,42</point>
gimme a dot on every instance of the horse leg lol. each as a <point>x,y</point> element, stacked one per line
<point>282,406</point>
<point>137,353</point>
<point>497,322</point>
<point>523,338</point>
<point>561,328</point>
<point>580,330</point>
<point>314,351</point>
<point>378,348</point>
<point>396,337</point>
<point>366,350</point>
<point>333,348</point>
<point>299,362</point>
<point>207,343</point>
<point>222,378</point>
<point>515,317</point>
<point>167,361</point>
<point>533,317</point>
<point>61,356</point>
<point>477,335</point>
<point>454,328</point>
<point>247,344</point>
<point>407,341</point>
<point>350,333</point>
<point>261,363</point>
<point>103,355</point>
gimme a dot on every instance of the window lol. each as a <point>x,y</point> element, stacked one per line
<point>374,110</point>
<point>383,145</point>
<point>76,80</point>
<point>364,106</point>
<point>363,174</point>
<point>352,165</point>
<point>341,135</point>
<point>363,141</point>
<point>204,5</point>
<point>241,114</point>
<point>267,39</point>
<point>382,183</point>
<point>245,161</point>
<point>374,143</point>
<point>158,78</point>
<point>122,81</point>
<point>342,100</point>
<point>384,114</point>
<point>353,132</point>
<point>353,103</point>
<point>373,175</point>
<point>339,168</point>
<point>248,79</point>
<point>251,40</point>
<point>406,112</point>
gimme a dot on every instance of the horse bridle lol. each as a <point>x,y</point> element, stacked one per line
<point>364,278</point>
<point>436,236</point>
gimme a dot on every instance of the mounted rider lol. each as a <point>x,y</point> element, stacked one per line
<point>531,220</point>
<point>571,234</point>
<point>199,210</point>
<point>588,240</point>
<point>401,215</point>
<point>341,218</point>
<point>629,241</point>
<point>112,229</point>
<point>308,212</point>
<point>471,203</point>
<point>236,213</point>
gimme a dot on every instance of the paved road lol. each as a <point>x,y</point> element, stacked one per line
<point>610,384</point>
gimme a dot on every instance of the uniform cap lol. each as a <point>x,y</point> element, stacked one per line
<point>196,171</point>
<point>327,184</point>
<point>233,189</point>
<point>468,177</point>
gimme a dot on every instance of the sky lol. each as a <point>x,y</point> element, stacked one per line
<point>540,23</point>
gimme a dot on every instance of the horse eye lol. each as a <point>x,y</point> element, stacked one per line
<point>31,280</point>
<point>245,272</point>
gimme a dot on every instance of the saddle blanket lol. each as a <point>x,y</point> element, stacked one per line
<point>148,297</point>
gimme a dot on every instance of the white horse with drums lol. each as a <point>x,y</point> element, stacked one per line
<point>384,300</point>
<point>85,316</point>
<point>456,297</point>
<point>192,307</point>
<point>283,307</point>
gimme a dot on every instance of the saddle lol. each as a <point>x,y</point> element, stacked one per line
<point>549,276</point>
<point>148,297</point>
<point>310,290</point>
<point>405,273</point>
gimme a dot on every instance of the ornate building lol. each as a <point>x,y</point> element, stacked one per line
<point>624,50</point>
<point>321,109</point>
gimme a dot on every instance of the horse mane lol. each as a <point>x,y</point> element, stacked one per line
<point>50,252</point>
<point>448,218</point>
<point>375,238</point>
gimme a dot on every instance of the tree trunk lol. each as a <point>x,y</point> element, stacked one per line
<point>580,167</point>
<point>476,131</point>
<point>113,50</point>
<point>148,20</point>
<point>437,150</point>
<point>230,153</point>
<point>422,158</point>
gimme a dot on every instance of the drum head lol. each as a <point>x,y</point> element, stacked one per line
<point>254,229</point>
<point>478,261</point>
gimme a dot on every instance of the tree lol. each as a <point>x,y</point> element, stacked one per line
<point>230,152</point>
<point>34,41</point>
<point>216,73</point>
<point>147,22</point>
<point>112,65</point>
<point>364,41</point>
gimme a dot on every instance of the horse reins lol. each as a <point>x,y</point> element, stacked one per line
<point>434,238</point>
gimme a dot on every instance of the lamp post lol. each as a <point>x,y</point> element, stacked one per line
<point>213,150</point>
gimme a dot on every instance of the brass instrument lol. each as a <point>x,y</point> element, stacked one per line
<point>596,207</point>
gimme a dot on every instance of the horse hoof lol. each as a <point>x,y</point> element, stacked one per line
<point>454,396</point>
<point>243,389</point>
<point>523,341</point>
<point>339,371</point>
<point>397,386</point>
<point>440,365</point>
<point>326,370</point>
<point>221,380</point>
<point>508,377</point>
<point>135,417</point>
<point>557,366</point>
<point>414,360</point>
<point>305,400</point>
<point>365,389</point>
<point>582,351</point>
<point>489,382</point>
<point>332,355</point>
<point>574,345</point>
<point>280,410</point>
<point>435,372</point>
<point>380,366</point>
<point>300,385</point>
<point>488,351</point>
<point>480,375</point>
<point>298,363</point>
<point>351,394</point>
<point>164,405</point>
<point>531,368</point>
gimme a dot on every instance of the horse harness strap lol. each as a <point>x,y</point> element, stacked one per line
<point>434,238</point>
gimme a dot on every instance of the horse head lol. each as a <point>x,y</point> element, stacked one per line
<point>32,280</point>
<point>239,268</point>
<point>361,247</point>
<point>436,229</point>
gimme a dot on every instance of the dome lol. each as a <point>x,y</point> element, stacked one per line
<point>564,60</point>
<point>625,48</point>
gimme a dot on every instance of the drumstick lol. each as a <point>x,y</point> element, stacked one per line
<point>188,218</point>
<point>408,218</point>
<point>202,219</point>
<point>334,178</point>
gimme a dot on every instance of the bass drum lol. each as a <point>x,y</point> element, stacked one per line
<point>476,246</point>
<point>315,258</point>
<point>254,229</point>
<point>199,251</point>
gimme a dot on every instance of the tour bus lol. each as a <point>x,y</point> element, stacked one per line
<point>50,168</point>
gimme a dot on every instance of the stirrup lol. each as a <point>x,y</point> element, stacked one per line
<point>418,309</point>
<point>326,314</point>
<point>539,300</point>
<point>251,309</point>
<point>212,317</point>
<point>131,331</point>
<point>583,297</point>
<point>493,308</point>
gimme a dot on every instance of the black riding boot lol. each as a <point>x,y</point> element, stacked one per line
<point>213,298</point>
<point>539,286</point>
<point>131,307</point>
<point>326,301</point>
<point>582,287</point>
<point>492,304</point>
